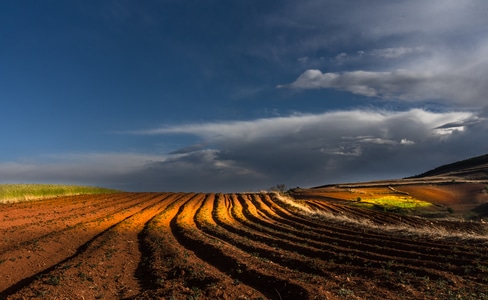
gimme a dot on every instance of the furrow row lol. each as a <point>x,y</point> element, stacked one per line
<point>53,221</point>
<point>355,247</point>
<point>44,253</point>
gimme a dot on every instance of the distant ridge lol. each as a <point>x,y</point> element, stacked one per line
<point>471,168</point>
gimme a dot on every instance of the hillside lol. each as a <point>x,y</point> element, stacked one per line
<point>457,190</point>
<point>471,168</point>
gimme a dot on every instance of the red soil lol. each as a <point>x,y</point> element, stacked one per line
<point>234,246</point>
<point>462,199</point>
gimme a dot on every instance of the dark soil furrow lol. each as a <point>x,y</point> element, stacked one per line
<point>32,233</point>
<point>237,246</point>
<point>177,272</point>
<point>59,205</point>
<point>50,249</point>
<point>49,277</point>
<point>353,232</point>
<point>114,254</point>
<point>227,259</point>
<point>439,246</point>
<point>357,247</point>
<point>351,254</point>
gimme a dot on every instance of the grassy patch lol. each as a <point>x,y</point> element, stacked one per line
<point>26,192</point>
<point>392,203</point>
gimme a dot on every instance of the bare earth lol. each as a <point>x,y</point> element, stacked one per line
<point>241,246</point>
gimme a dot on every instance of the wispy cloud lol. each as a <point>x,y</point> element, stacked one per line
<point>355,22</point>
<point>391,53</point>
<point>382,53</point>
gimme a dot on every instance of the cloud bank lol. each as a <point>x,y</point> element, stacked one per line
<point>297,150</point>
<point>314,149</point>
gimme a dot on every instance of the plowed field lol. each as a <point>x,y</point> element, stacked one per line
<point>233,246</point>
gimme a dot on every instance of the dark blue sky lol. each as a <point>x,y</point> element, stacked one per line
<point>238,95</point>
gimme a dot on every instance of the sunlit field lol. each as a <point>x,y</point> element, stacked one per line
<point>234,246</point>
<point>391,202</point>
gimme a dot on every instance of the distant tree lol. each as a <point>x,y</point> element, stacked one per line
<point>280,188</point>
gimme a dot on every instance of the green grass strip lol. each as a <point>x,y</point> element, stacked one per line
<point>392,203</point>
<point>10,193</point>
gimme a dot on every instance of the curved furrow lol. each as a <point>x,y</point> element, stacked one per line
<point>357,213</point>
<point>314,205</point>
<point>315,240</point>
<point>45,252</point>
<point>175,271</point>
<point>65,206</point>
<point>17,210</point>
<point>438,246</point>
<point>229,246</point>
<point>333,266</point>
<point>262,276</point>
<point>457,256</point>
<point>352,231</point>
<point>262,244</point>
<point>360,247</point>
<point>46,228</point>
<point>458,266</point>
<point>353,253</point>
<point>112,254</point>
<point>376,216</point>
<point>40,227</point>
<point>325,227</point>
<point>55,208</point>
<point>259,245</point>
<point>158,242</point>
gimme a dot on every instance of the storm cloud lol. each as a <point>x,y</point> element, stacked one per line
<point>308,150</point>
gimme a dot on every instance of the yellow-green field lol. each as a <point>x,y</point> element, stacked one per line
<point>26,192</point>
<point>392,202</point>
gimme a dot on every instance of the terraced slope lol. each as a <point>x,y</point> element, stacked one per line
<point>233,246</point>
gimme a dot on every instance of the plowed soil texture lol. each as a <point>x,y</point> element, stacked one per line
<point>233,246</point>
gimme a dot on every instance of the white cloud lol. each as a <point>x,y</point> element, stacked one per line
<point>378,54</point>
<point>418,50</point>
<point>459,87</point>
<point>400,84</point>
<point>406,142</point>
<point>341,58</point>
